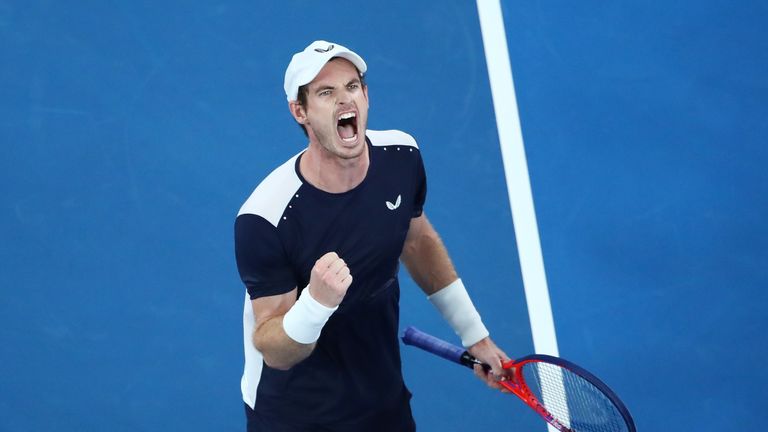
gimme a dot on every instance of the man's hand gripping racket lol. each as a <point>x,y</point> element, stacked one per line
<point>562,393</point>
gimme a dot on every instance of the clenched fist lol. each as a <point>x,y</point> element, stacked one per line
<point>329,280</point>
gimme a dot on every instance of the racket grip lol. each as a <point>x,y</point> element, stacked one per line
<point>415,337</point>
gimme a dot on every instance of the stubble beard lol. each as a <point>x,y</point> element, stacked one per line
<point>330,143</point>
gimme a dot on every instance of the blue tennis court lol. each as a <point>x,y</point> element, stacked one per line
<point>132,132</point>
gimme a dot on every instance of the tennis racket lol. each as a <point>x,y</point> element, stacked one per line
<point>564,394</point>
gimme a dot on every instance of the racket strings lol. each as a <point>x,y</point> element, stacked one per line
<point>572,400</point>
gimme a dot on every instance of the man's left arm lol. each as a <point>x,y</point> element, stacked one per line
<point>430,266</point>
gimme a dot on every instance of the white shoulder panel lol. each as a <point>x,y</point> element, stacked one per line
<point>390,137</point>
<point>271,196</point>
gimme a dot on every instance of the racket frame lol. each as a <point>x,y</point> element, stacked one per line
<point>519,388</point>
<point>517,385</point>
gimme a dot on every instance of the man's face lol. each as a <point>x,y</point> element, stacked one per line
<point>337,110</point>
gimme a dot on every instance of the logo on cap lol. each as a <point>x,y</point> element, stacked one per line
<point>320,50</point>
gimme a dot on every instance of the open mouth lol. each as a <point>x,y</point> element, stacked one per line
<point>346,126</point>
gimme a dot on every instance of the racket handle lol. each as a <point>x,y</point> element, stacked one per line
<point>415,337</point>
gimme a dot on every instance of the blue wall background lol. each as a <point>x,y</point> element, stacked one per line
<point>131,132</point>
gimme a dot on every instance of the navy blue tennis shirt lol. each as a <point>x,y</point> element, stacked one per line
<point>283,228</point>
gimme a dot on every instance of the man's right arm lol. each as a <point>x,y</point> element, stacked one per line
<point>269,337</point>
<point>328,283</point>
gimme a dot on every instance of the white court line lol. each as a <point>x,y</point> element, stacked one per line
<point>518,181</point>
<point>516,172</point>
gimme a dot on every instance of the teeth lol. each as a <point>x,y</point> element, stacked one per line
<point>347,116</point>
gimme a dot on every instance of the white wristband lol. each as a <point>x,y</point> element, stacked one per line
<point>305,319</point>
<point>456,307</point>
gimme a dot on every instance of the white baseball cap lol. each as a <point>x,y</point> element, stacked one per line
<point>305,65</point>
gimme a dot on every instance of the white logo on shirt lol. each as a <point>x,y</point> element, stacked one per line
<point>396,204</point>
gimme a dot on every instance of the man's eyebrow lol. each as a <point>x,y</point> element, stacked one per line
<point>323,87</point>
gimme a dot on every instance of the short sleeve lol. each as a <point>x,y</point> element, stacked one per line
<point>261,258</point>
<point>420,195</point>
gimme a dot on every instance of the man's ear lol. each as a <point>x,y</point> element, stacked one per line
<point>298,112</point>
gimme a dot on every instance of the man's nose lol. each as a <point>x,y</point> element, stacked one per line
<point>344,97</point>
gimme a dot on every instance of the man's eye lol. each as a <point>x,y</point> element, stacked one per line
<point>353,86</point>
<point>325,93</point>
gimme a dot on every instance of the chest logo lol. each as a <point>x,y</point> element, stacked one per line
<point>396,204</point>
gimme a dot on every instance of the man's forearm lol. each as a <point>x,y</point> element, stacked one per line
<point>427,259</point>
<point>279,350</point>
<point>288,328</point>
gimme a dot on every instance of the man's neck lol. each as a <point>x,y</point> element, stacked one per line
<point>331,173</point>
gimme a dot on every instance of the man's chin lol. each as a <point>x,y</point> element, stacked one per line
<point>351,148</point>
<point>349,153</point>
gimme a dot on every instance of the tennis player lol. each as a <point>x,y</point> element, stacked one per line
<point>318,246</point>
